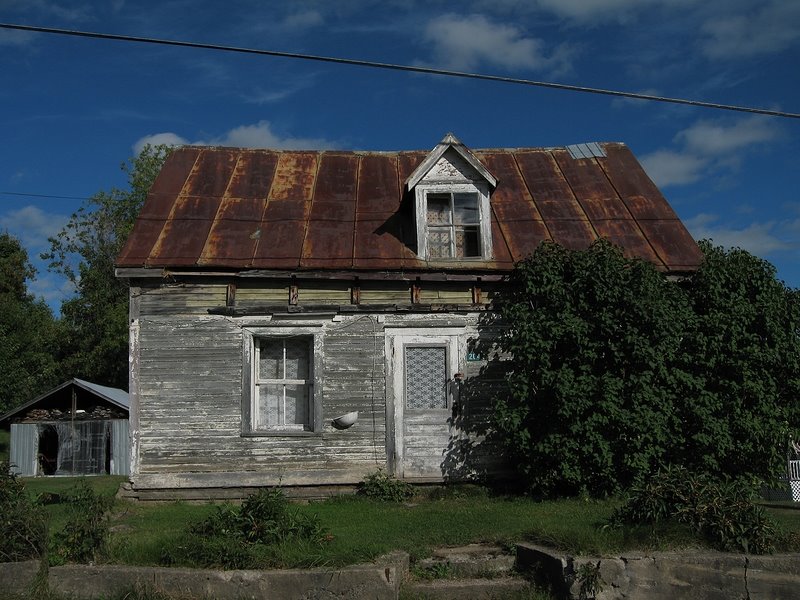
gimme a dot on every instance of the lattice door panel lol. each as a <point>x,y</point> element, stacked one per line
<point>426,378</point>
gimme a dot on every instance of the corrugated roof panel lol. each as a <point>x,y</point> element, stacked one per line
<point>407,162</point>
<point>211,174</point>
<point>294,176</point>
<point>574,234</point>
<point>626,234</point>
<point>500,249</point>
<point>252,177</point>
<point>234,233</point>
<point>158,206</point>
<point>378,186</point>
<point>379,243</point>
<point>185,232</point>
<point>331,223</point>
<point>591,187</point>
<point>139,245</point>
<point>643,199</point>
<point>588,150</point>
<point>672,243</point>
<point>550,191</point>
<point>280,234</point>
<point>379,228</point>
<point>169,182</point>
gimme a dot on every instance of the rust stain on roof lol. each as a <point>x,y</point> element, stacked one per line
<point>236,209</point>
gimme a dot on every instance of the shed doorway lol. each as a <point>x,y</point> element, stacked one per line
<point>48,450</point>
<point>423,389</point>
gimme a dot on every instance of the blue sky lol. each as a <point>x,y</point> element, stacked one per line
<point>71,109</point>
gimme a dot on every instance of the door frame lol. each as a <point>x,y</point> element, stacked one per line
<point>396,341</point>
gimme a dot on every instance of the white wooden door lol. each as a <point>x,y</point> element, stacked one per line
<point>424,366</point>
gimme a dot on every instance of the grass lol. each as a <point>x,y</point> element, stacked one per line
<point>363,529</point>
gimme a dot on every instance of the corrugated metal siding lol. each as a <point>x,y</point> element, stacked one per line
<point>24,446</point>
<point>120,447</point>
<point>265,209</point>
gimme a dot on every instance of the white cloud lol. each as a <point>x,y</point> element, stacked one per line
<point>167,138</point>
<point>584,9</point>
<point>76,12</point>
<point>758,238</point>
<point>667,167</point>
<point>717,138</point>
<point>708,146</point>
<point>303,20</point>
<point>12,37</point>
<point>54,289</point>
<point>771,27</point>
<point>463,43</point>
<point>32,226</point>
<point>258,135</point>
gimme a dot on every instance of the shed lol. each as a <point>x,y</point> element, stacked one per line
<point>304,317</point>
<point>77,428</point>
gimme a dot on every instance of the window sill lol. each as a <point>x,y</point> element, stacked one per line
<point>281,433</point>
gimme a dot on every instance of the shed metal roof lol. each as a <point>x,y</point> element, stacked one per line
<point>240,209</point>
<point>113,396</point>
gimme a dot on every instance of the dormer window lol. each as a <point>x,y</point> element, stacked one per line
<point>454,225</point>
<point>452,204</point>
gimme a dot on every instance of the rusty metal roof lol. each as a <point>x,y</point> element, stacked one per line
<point>240,209</point>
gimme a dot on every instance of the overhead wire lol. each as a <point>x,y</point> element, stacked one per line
<point>401,67</point>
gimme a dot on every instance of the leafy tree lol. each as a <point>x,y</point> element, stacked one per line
<point>593,336</point>
<point>744,352</point>
<point>27,331</point>
<point>616,371</point>
<point>95,321</point>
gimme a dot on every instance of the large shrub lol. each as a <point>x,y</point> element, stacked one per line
<point>615,370</point>
<point>594,339</point>
<point>721,511</point>
<point>23,524</point>
<point>744,357</point>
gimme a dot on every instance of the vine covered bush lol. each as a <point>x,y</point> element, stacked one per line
<point>720,510</point>
<point>616,370</point>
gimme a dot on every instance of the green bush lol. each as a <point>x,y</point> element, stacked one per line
<point>23,524</point>
<point>614,370</point>
<point>85,534</point>
<point>382,486</point>
<point>235,537</point>
<point>721,511</point>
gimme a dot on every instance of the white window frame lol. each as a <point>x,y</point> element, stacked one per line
<point>484,218</point>
<point>251,381</point>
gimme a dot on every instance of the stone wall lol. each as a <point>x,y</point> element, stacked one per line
<point>690,574</point>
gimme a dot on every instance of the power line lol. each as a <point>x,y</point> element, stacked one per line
<point>27,195</point>
<point>398,67</point>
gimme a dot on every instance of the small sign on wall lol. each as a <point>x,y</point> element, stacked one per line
<point>474,356</point>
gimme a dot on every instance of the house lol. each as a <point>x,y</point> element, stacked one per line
<point>303,318</point>
<point>77,428</point>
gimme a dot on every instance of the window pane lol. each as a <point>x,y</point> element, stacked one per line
<point>468,242</point>
<point>426,378</point>
<point>466,209</point>
<point>270,358</point>
<point>439,209</point>
<point>439,243</point>
<point>270,397</point>
<point>297,357</point>
<point>296,405</point>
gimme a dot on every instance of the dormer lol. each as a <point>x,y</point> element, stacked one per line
<point>451,190</point>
